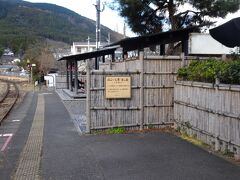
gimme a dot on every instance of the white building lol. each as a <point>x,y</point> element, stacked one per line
<point>83,47</point>
<point>8,52</point>
<point>61,52</point>
<point>204,44</point>
<point>51,79</point>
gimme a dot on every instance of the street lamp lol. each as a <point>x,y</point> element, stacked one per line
<point>29,69</point>
<point>32,65</point>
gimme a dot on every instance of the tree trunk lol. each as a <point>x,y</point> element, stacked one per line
<point>172,10</point>
<point>173,22</point>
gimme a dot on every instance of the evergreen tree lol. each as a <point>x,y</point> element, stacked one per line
<point>149,16</point>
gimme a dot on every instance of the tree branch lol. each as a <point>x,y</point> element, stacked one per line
<point>186,12</point>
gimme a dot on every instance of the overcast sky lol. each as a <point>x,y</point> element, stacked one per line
<point>109,18</point>
<point>86,8</point>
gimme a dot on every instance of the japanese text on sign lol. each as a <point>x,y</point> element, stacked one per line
<point>118,87</point>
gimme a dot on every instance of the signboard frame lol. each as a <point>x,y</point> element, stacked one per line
<point>121,87</point>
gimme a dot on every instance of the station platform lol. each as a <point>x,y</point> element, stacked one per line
<point>81,93</point>
<point>39,140</point>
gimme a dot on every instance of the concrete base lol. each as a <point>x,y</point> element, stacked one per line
<point>217,144</point>
<point>237,154</point>
<point>71,94</point>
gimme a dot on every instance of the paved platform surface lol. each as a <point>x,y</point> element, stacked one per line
<point>76,109</point>
<point>45,144</point>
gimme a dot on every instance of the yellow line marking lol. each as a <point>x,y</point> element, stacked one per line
<point>30,158</point>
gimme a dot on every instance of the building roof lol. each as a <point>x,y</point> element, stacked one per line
<point>90,55</point>
<point>90,43</point>
<point>137,43</point>
<point>141,42</point>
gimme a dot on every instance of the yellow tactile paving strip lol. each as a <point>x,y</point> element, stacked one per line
<point>28,167</point>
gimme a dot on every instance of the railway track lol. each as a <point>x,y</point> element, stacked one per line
<point>8,98</point>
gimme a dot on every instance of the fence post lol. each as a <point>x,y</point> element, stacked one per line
<point>67,78</point>
<point>141,58</point>
<point>237,154</point>
<point>110,65</point>
<point>88,100</point>
<point>183,59</point>
<point>216,133</point>
<point>76,77</point>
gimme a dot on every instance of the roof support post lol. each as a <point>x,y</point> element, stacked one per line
<point>162,49</point>
<point>113,57</point>
<point>124,54</point>
<point>103,58</point>
<point>185,47</point>
<point>96,63</point>
<point>139,51</point>
<point>75,77</point>
<point>71,76</point>
<point>67,77</point>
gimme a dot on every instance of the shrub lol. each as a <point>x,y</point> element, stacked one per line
<point>231,75</point>
<point>116,130</point>
<point>209,70</point>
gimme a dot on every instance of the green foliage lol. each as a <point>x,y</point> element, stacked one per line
<point>19,44</point>
<point>149,16</point>
<point>207,71</point>
<point>231,74</point>
<point>183,73</point>
<point>228,153</point>
<point>150,126</point>
<point>117,130</point>
<point>139,16</point>
<point>192,139</point>
<point>35,70</point>
<point>1,50</point>
<point>23,24</point>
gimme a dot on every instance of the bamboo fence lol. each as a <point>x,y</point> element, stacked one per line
<point>61,81</point>
<point>210,112</point>
<point>151,103</point>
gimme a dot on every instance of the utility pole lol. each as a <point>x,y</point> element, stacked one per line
<point>124,30</point>
<point>109,38</point>
<point>98,24</point>
<point>98,28</point>
<point>88,40</point>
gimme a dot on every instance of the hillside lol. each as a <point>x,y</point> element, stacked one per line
<point>23,23</point>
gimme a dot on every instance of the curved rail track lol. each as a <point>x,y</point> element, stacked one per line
<point>8,98</point>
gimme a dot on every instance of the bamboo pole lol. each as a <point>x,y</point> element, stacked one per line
<point>67,77</point>
<point>183,59</point>
<point>76,77</point>
<point>71,76</point>
<point>88,101</point>
<point>141,57</point>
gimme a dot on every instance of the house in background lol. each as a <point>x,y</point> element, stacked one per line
<point>7,56</point>
<point>204,45</point>
<point>83,47</point>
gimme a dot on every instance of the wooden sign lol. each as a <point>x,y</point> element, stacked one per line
<point>118,87</point>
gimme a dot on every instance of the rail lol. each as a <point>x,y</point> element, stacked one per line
<point>9,99</point>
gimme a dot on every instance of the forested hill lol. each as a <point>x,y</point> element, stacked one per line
<point>22,23</point>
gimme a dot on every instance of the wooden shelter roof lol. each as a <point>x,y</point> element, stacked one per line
<point>141,42</point>
<point>136,43</point>
<point>90,55</point>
